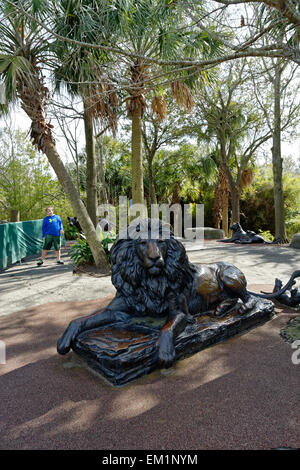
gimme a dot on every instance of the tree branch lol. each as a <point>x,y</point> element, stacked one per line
<point>275,50</point>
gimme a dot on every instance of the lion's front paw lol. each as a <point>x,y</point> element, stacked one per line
<point>64,343</point>
<point>248,305</point>
<point>224,307</point>
<point>166,350</point>
<point>166,358</point>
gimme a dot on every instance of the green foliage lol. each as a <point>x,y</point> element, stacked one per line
<point>292,227</point>
<point>257,202</point>
<point>71,232</point>
<point>187,167</point>
<point>117,168</point>
<point>266,235</point>
<point>106,241</point>
<point>80,252</point>
<point>291,187</point>
<point>26,181</point>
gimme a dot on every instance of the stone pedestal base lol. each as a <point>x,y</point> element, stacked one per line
<point>208,233</point>
<point>122,352</point>
<point>295,243</point>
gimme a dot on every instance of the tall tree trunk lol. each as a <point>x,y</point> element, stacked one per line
<point>34,98</point>
<point>103,192</point>
<point>221,200</point>
<point>14,215</point>
<point>225,178</point>
<point>231,184</point>
<point>176,194</point>
<point>78,206</point>
<point>235,204</point>
<point>152,192</point>
<point>136,158</point>
<point>91,166</point>
<point>280,230</point>
<point>77,176</point>
<point>225,216</point>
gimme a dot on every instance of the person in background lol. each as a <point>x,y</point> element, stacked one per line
<point>52,230</point>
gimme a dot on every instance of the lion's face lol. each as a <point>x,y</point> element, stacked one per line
<point>235,227</point>
<point>152,254</point>
<point>148,265</point>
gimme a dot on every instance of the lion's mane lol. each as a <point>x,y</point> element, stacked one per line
<point>146,294</point>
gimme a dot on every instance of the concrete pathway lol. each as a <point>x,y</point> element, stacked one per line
<point>25,285</point>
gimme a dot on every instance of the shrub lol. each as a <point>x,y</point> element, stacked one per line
<point>80,252</point>
<point>71,232</point>
<point>292,227</point>
<point>257,202</point>
<point>107,239</point>
<point>266,235</point>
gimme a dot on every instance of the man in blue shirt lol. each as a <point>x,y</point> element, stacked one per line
<point>52,230</point>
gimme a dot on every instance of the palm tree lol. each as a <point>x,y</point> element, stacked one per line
<point>155,29</point>
<point>185,170</point>
<point>238,131</point>
<point>81,71</point>
<point>23,53</point>
<point>163,125</point>
<point>222,193</point>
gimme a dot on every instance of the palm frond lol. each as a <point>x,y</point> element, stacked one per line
<point>247,177</point>
<point>182,94</point>
<point>159,107</point>
<point>12,69</point>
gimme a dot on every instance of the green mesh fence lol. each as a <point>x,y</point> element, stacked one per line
<point>20,239</point>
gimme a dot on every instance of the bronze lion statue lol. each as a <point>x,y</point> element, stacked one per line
<point>153,277</point>
<point>240,236</point>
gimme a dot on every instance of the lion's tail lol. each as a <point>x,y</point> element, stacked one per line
<point>274,295</point>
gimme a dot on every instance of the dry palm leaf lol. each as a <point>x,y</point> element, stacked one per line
<point>182,94</point>
<point>159,107</point>
<point>102,101</point>
<point>247,177</point>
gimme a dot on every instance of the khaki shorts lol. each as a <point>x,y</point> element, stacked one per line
<point>51,240</point>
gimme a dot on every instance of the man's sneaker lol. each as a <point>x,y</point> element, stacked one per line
<point>39,263</point>
<point>60,262</point>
